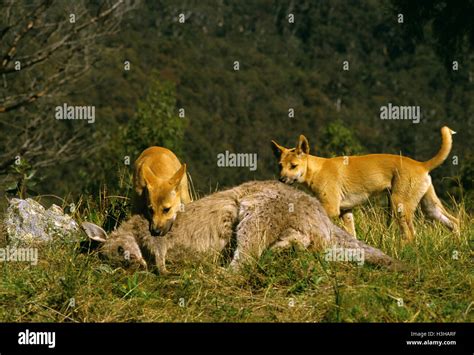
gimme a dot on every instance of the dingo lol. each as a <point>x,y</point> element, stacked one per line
<point>161,186</point>
<point>342,183</point>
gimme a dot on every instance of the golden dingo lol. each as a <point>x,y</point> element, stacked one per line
<point>342,183</point>
<point>161,185</point>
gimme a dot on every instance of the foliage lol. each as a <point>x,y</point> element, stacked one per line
<point>47,57</point>
<point>156,122</point>
<point>450,23</point>
<point>283,65</point>
<point>338,140</point>
<point>23,178</point>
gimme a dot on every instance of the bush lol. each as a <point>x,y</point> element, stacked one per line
<point>337,139</point>
<point>156,122</point>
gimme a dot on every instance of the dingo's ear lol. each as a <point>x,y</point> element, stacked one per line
<point>148,175</point>
<point>94,232</point>
<point>177,177</point>
<point>277,149</point>
<point>303,145</point>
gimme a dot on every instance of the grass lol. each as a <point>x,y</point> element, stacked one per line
<point>290,286</point>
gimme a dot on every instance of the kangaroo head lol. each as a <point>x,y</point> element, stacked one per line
<point>292,162</point>
<point>163,200</point>
<point>118,248</point>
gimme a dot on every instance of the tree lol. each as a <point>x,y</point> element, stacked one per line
<point>46,49</point>
<point>450,23</point>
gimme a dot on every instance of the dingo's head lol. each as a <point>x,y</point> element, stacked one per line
<point>163,200</point>
<point>292,162</point>
<point>118,249</point>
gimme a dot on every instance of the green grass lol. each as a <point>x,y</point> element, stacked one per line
<point>289,286</point>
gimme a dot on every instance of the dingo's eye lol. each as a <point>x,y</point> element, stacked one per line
<point>166,210</point>
<point>293,166</point>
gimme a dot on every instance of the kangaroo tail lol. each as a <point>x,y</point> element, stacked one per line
<point>443,153</point>
<point>371,255</point>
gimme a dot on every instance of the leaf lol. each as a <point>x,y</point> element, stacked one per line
<point>13,186</point>
<point>30,175</point>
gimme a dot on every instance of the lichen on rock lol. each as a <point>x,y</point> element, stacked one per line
<point>28,222</point>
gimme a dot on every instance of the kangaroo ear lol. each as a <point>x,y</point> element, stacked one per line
<point>178,176</point>
<point>303,145</point>
<point>94,232</point>
<point>277,149</point>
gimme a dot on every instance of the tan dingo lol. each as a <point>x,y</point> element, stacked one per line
<point>342,183</point>
<point>161,186</point>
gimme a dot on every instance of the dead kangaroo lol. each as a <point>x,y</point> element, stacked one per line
<point>123,246</point>
<point>256,215</point>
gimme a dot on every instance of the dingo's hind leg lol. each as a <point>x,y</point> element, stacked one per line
<point>434,210</point>
<point>404,216</point>
<point>406,196</point>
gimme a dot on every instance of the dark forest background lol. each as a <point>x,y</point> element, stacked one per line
<point>190,65</point>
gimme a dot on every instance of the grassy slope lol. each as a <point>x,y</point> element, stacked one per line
<point>292,286</point>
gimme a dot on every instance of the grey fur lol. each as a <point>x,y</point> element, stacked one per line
<point>122,246</point>
<point>258,214</point>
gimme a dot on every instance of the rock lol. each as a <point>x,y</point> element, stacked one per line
<point>28,222</point>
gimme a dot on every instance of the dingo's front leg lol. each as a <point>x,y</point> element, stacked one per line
<point>348,220</point>
<point>333,210</point>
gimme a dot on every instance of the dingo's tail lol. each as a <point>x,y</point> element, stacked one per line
<point>443,153</point>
